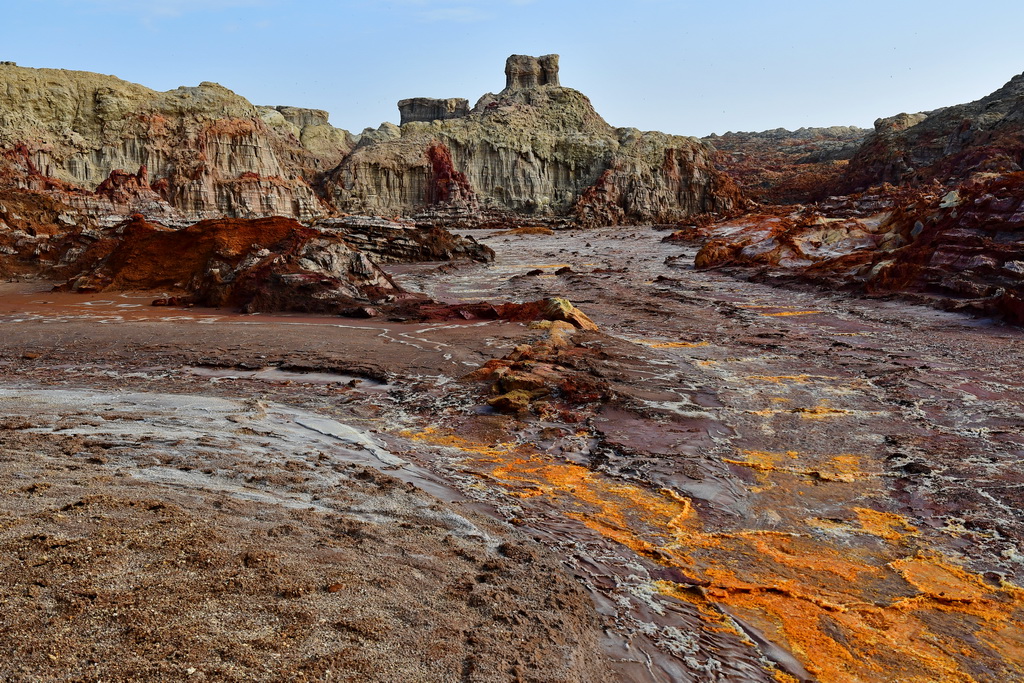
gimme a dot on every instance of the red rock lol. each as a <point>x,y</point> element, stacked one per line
<point>255,265</point>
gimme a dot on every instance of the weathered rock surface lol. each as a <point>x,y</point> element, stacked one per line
<point>207,151</point>
<point>961,249</point>
<point>431,109</point>
<point>947,144</point>
<point>553,310</point>
<point>268,264</point>
<point>523,72</point>
<point>403,241</point>
<point>40,235</point>
<point>321,146</point>
<point>110,148</point>
<point>535,148</point>
<point>784,167</point>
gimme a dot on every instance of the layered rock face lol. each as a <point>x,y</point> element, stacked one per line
<point>40,235</point>
<point>430,109</point>
<point>928,206</point>
<point>108,149</point>
<point>958,249</point>
<point>404,242</point>
<point>782,166</point>
<point>948,144</point>
<point>535,148</point>
<point>523,72</point>
<point>321,146</point>
<point>207,152</point>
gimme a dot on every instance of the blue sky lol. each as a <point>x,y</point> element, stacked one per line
<point>683,67</point>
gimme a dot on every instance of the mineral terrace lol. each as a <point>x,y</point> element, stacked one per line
<point>505,393</point>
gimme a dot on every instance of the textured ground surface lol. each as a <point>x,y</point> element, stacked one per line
<point>783,485</point>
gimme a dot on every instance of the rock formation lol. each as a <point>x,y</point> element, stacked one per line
<point>109,149</point>
<point>928,206</point>
<point>537,149</point>
<point>321,146</point>
<point>947,144</point>
<point>401,241</point>
<point>783,167</point>
<point>268,264</point>
<point>207,152</point>
<point>958,249</point>
<point>523,72</point>
<point>430,109</point>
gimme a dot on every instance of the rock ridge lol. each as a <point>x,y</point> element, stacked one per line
<point>109,148</point>
<point>208,152</point>
<point>535,149</point>
<point>947,144</point>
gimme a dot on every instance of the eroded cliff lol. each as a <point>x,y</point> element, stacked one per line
<point>109,148</point>
<point>951,143</point>
<point>534,148</point>
<point>206,151</point>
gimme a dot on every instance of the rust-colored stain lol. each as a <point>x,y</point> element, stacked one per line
<point>885,525</point>
<point>868,604</point>
<point>784,314</point>
<point>812,413</point>
<point>788,379</point>
<point>839,468</point>
<point>656,344</point>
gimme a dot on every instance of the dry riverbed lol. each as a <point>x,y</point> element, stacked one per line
<point>781,485</point>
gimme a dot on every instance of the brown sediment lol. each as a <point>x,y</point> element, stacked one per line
<point>787,531</point>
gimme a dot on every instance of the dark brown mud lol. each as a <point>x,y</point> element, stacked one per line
<point>784,485</point>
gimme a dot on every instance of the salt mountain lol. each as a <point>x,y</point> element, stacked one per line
<point>107,148</point>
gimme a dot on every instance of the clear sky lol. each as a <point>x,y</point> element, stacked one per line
<point>683,67</point>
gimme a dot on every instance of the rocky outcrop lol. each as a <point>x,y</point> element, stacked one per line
<point>403,241</point>
<point>655,178</point>
<point>787,167</point>
<point>534,149</point>
<point>523,72</point>
<point>966,246</point>
<point>320,147</point>
<point>269,264</point>
<point>950,144</point>
<point>41,236</point>
<point>108,149</point>
<point>207,152</point>
<point>430,109</point>
<point>958,249</point>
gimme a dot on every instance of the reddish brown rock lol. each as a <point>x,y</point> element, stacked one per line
<point>403,241</point>
<point>958,248</point>
<point>265,264</point>
<point>553,309</point>
<point>949,144</point>
<point>787,167</point>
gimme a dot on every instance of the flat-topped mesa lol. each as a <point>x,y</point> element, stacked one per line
<point>523,72</point>
<point>431,109</point>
